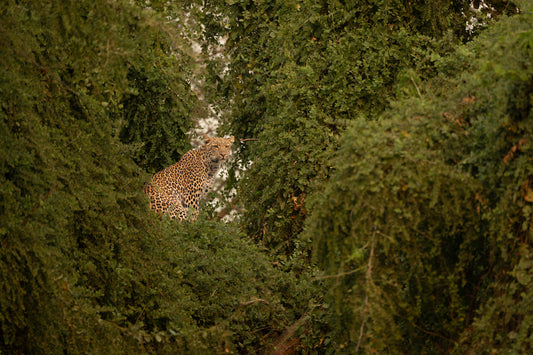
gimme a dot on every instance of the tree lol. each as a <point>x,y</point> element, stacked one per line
<point>84,265</point>
<point>70,196</point>
<point>160,107</point>
<point>425,225</point>
<point>298,72</point>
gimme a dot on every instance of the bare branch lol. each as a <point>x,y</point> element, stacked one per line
<point>253,301</point>
<point>369,282</point>
<point>416,86</point>
<point>282,344</point>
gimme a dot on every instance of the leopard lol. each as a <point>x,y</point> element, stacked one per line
<point>181,186</point>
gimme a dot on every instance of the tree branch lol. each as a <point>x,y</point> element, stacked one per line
<point>416,86</point>
<point>244,304</point>
<point>369,282</point>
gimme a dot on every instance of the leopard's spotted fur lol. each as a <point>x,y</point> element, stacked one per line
<point>182,185</point>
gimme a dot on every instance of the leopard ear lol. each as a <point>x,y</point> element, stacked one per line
<point>206,138</point>
<point>231,139</point>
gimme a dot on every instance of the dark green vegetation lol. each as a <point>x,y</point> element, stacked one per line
<point>388,200</point>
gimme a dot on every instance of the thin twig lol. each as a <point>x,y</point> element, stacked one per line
<point>416,86</point>
<point>369,282</point>
<point>244,304</point>
<point>280,346</point>
<point>248,139</point>
<point>362,329</point>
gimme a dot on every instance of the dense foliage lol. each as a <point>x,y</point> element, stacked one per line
<point>427,219</point>
<point>84,266</point>
<point>299,71</point>
<point>387,203</point>
<point>418,216</point>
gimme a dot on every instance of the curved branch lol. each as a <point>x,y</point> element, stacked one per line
<point>244,304</point>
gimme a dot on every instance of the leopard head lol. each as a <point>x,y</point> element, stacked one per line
<point>218,149</point>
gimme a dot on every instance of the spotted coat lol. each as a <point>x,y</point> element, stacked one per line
<point>182,185</point>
